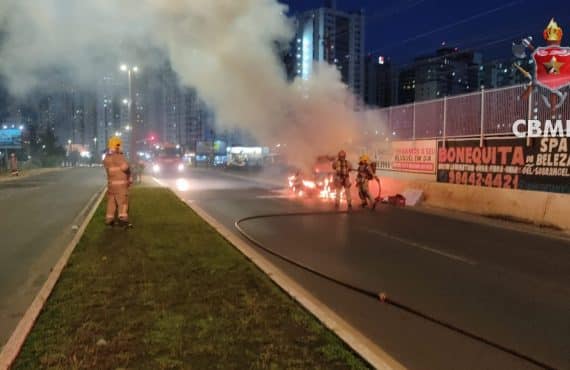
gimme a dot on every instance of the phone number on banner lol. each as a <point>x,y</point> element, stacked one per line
<point>498,180</point>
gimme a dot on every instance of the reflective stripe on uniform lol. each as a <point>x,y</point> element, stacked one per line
<point>118,182</point>
<point>115,168</point>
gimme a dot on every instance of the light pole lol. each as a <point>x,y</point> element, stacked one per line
<point>130,70</point>
<point>106,103</point>
<point>96,153</point>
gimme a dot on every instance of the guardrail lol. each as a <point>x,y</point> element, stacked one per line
<point>483,114</point>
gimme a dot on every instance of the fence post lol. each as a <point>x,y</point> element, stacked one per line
<point>444,120</point>
<point>390,127</point>
<point>529,117</point>
<point>482,116</point>
<point>414,120</point>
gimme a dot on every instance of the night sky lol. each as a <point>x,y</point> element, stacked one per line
<point>404,29</point>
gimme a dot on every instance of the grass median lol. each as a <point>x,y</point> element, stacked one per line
<point>172,294</point>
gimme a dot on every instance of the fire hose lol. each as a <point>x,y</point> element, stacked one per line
<point>381,297</point>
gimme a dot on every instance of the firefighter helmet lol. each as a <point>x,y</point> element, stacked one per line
<point>115,143</point>
<point>342,154</point>
<point>364,158</point>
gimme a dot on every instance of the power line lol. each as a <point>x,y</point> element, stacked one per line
<point>454,24</point>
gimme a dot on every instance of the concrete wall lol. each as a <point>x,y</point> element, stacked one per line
<point>540,208</point>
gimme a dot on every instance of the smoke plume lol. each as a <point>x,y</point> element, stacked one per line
<point>226,49</point>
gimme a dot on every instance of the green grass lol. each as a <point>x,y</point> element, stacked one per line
<point>172,294</point>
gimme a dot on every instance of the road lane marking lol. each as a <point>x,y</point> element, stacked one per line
<point>423,247</point>
<point>160,182</point>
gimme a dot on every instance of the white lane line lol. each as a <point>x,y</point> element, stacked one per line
<point>423,247</point>
<point>160,182</point>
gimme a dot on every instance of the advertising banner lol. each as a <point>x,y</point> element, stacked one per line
<point>10,139</point>
<point>408,156</point>
<point>507,163</point>
<point>204,147</point>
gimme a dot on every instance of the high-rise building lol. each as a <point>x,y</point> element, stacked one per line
<point>378,81</point>
<point>449,72</point>
<point>329,35</point>
<point>176,114</point>
<point>406,85</point>
<point>503,72</point>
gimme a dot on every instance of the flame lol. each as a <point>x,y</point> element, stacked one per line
<point>553,32</point>
<point>309,184</point>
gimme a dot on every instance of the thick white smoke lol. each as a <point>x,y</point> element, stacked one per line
<point>226,49</point>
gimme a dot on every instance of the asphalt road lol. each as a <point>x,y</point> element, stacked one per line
<point>37,215</point>
<point>508,285</point>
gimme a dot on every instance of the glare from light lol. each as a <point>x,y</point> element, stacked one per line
<point>180,167</point>
<point>125,101</point>
<point>128,128</point>
<point>182,185</point>
<point>135,69</point>
<point>124,67</point>
<point>156,168</point>
<point>21,127</point>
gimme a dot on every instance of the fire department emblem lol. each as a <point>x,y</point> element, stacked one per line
<point>551,65</point>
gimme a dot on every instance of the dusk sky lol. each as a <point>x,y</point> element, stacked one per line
<point>405,29</point>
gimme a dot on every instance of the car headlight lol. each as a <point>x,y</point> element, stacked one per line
<point>156,168</point>
<point>180,167</point>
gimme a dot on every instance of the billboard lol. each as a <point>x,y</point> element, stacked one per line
<point>204,147</point>
<point>10,138</point>
<point>220,147</point>
<point>507,163</point>
<point>408,156</point>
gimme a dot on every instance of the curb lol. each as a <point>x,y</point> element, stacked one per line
<point>363,346</point>
<point>12,348</point>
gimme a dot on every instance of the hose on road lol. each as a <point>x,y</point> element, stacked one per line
<point>381,297</point>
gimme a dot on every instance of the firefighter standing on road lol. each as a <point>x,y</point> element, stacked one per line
<point>342,170</point>
<point>118,182</point>
<point>365,174</point>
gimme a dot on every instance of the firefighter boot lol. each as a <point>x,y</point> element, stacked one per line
<point>125,224</point>
<point>375,204</point>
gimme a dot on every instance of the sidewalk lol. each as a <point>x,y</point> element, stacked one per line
<point>172,293</point>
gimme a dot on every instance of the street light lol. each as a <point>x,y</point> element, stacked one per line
<point>130,70</point>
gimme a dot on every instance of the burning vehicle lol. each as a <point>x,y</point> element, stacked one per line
<point>318,184</point>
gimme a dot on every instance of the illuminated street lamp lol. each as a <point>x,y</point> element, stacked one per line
<point>130,70</point>
<point>96,146</point>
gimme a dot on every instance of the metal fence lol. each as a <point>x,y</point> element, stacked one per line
<point>483,114</point>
